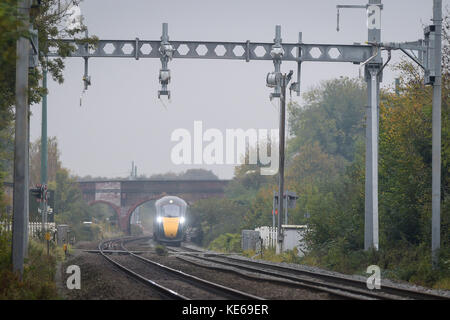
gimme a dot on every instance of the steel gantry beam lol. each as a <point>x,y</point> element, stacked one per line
<point>221,50</point>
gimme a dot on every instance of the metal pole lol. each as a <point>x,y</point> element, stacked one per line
<point>273,210</point>
<point>164,59</point>
<point>86,73</point>
<point>436,144</point>
<point>299,64</point>
<point>277,62</point>
<point>132,170</point>
<point>44,152</point>
<point>371,197</point>
<point>371,179</point>
<point>20,197</point>
<point>281,163</point>
<point>86,78</point>
<point>286,208</point>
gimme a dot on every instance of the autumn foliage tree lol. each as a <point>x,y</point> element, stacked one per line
<point>50,22</point>
<point>53,160</point>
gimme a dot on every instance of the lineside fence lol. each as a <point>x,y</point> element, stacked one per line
<point>268,236</point>
<point>34,228</point>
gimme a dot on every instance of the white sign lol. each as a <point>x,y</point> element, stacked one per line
<point>373,17</point>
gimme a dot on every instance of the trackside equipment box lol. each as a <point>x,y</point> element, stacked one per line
<point>250,240</point>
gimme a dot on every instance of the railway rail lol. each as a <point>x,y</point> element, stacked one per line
<point>344,287</point>
<point>192,287</point>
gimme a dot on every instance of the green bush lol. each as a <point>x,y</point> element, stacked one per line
<point>90,232</point>
<point>269,254</point>
<point>405,262</point>
<point>161,250</point>
<point>228,242</point>
<point>38,276</point>
<point>214,217</point>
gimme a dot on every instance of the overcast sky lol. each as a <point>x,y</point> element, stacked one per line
<point>121,119</point>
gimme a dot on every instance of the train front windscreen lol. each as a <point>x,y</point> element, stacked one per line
<point>171,210</point>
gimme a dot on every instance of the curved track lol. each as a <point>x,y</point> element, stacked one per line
<point>171,282</point>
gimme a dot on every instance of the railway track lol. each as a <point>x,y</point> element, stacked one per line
<point>339,286</point>
<point>170,283</point>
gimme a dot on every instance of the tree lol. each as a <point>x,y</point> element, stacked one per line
<point>190,174</point>
<point>333,115</point>
<point>216,216</point>
<point>259,209</point>
<point>312,173</point>
<point>198,174</point>
<point>248,178</point>
<point>53,161</point>
<point>8,37</point>
<point>49,20</point>
<point>69,205</point>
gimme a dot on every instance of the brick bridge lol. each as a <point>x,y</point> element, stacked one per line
<point>124,196</point>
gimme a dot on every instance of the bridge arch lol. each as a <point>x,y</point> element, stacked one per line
<point>124,196</point>
<point>140,202</point>
<point>111,205</point>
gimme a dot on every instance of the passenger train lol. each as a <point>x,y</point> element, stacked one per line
<point>170,219</point>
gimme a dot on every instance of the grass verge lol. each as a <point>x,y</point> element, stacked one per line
<point>38,276</point>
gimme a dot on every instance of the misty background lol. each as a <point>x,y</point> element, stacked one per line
<point>121,120</point>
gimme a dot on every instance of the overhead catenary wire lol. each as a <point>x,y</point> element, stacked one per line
<point>368,60</point>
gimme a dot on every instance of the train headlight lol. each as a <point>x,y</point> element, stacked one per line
<point>182,220</point>
<point>159,219</point>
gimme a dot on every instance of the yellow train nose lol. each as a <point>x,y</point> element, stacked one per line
<point>171,227</point>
